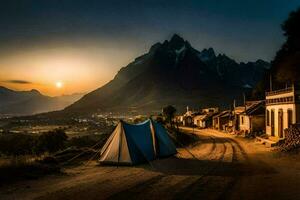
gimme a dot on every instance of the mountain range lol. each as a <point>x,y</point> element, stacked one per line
<point>18,103</point>
<point>173,73</point>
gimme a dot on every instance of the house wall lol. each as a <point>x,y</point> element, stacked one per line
<point>215,123</point>
<point>200,123</point>
<point>208,122</point>
<point>222,122</point>
<point>276,108</point>
<point>258,123</point>
<point>188,121</point>
<point>255,123</point>
<point>196,122</point>
<point>244,121</point>
<point>203,123</point>
<point>298,113</point>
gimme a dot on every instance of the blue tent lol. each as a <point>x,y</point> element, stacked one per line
<point>138,143</point>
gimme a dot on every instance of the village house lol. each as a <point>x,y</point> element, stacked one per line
<point>199,121</point>
<point>236,119</point>
<point>204,120</point>
<point>252,119</point>
<point>282,110</point>
<point>187,118</point>
<point>210,110</point>
<point>222,121</point>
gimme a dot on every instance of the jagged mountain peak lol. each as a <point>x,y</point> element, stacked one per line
<point>176,42</point>
<point>207,54</point>
<point>210,51</point>
<point>225,58</point>
<point>172,72</point>
<point>263,63</point>
<point>154,47</point>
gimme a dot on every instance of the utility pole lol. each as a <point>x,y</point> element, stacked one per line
<point>234,116</point>
<point>271,84</point>
<point>234,104</point>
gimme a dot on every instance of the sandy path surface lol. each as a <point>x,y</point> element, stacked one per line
<point>217,166</point>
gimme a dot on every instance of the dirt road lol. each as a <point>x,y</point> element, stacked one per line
<point>217,166</point>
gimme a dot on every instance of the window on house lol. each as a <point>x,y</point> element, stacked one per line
<point>268,118</point>
<point>242,119</point>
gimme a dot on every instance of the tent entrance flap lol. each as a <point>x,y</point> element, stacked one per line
<point>116,148</point>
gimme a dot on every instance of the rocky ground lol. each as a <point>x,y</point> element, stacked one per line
<point>217,166</point>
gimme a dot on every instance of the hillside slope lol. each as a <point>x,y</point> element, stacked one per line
<point>31,102</point>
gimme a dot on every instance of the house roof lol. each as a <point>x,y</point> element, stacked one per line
<point>225,113</point>
<point>200,117</point>
<point>190,114</point>
<point>254,106</point>
<point>239,109</point>
<point>203,117</point>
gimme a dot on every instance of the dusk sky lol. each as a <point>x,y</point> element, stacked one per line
<point>64,46</point>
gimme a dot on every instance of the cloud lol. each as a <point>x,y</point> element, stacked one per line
<point>18,81</point>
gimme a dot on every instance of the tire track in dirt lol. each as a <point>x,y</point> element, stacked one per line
<point>232,153</point>
<point>131,193</point>
<point>224,184</point>
<point>103,186</point>
<point>239,156</point>
<point>162,186</point>
<point>72,178</point>
<point>193,190</point>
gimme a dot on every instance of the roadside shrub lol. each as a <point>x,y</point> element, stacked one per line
<point>16,144</point>
<point>88,141</point>
<point>51,141</point>
<point>21,168</point>
<point>83,141</point>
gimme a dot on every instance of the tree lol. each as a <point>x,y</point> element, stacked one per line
<point>286,64</point>
<point>169,113</point>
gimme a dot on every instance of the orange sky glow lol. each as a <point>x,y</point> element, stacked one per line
<point>80,70</point>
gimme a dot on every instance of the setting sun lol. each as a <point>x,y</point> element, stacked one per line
<point>59,84</point>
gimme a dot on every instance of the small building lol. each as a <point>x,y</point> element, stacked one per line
<point>203,121</point>
<point>252,119</point>
<point>187,118</point>
<point>282,110</point>
<point>222,121</point>
<point>210,110</point>
<point>178,119</point>
<point>236,119</point>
